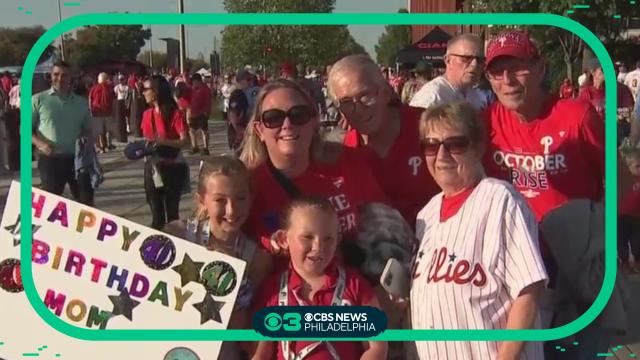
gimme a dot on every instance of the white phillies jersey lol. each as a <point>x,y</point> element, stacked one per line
<point>470,268</point>
<point>632,80</point>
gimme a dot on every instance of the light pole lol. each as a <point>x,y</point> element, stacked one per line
<point>150,50</point>
<point>61,35</point>
<point>182,39</point>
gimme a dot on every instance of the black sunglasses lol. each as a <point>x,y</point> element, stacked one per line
<point>298,115</point>
<point>454,145</point>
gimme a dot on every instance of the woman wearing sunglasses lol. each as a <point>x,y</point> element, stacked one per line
<point>288,159</point>
<point>166,174</point>
<point>478,265</point>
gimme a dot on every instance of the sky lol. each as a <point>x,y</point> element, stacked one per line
<point>200,38</point>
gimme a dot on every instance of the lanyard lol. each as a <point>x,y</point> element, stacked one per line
<point>203,237</point>
<point>283,300</point>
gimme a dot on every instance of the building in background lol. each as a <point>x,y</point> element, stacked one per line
<point>173,53</point>
<point>442,6</point>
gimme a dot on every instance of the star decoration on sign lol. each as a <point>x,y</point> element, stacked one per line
<point>188,270</point>
<point>209,309</point>
<point>123,304</point>
<point>14,230</point>
<point>452,257</point>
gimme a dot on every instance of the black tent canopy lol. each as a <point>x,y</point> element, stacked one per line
<point>431,47</point>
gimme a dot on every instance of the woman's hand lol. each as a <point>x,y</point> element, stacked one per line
<point>400,302</point>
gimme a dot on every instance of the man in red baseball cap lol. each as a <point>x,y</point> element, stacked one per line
<point>550,149</point>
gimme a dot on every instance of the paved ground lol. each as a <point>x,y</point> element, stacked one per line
<point>122,192</point>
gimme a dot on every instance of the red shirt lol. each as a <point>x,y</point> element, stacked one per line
<point>630,205</point>
<point>551,159</point>
<point>348,184</point>
<point>183,104</point>
<point>403,173</point>
<point>566,91</point>
<point>594,96</point>
<point>101,98</point>
<point>451,205</point>
<point>6,84</point>
<point>357,292</point>
<point>178,125</point>
<point>201,101</point>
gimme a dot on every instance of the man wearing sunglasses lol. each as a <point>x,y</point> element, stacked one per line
<point>551,149</point>
<point>387,131</point>
<point>463,66</point>
<point>541,143</point>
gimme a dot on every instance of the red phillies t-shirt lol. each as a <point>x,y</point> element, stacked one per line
<point>357,292</point>
<point>348,184</point>
<point>551,159</point>
<point>178,125</point>
<point>630,205</point>
<point>403,173</point>
<point>201,101</point>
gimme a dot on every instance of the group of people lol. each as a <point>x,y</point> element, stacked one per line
<point>456,185</point>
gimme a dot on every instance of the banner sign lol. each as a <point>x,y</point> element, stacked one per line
<point>98,271</point>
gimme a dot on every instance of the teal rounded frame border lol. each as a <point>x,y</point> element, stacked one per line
<point>317,19</point>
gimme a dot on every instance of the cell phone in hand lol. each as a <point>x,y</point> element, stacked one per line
<point>395,279</point>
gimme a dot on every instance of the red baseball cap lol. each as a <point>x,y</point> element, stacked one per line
<point>511,43</point>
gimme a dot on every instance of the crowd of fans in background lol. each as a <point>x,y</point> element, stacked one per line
<point>429,135</point>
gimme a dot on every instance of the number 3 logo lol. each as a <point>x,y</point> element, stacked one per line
<point>291,322</point>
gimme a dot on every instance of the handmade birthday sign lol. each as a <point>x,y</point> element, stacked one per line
<point>98,271</point>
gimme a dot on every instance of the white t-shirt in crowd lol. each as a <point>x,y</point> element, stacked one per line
<point>622,76</point>
<point>471,267</point>
<point>440,90</point>
<point>582,79</point>
<point>122,91</point>
<point>633,81</point>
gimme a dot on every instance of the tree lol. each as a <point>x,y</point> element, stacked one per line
<point>393,39</point>
<point>95,44</point>
<point>15,44</point>
<point>599,18</point>
<point>270,45</point>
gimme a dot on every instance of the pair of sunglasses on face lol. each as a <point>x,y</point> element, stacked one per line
<point>298,115</point>
<point>455,145</point>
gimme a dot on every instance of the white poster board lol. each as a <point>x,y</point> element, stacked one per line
<point>98,271</point>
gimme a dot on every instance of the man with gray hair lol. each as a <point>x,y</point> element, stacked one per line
<point>101,100</point>
<point>381,123</point>
<point>463,61</point>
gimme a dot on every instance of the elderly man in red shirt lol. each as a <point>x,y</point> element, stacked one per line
<point>199,116</point>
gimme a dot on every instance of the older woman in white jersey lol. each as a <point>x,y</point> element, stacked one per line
<point>478,264</point>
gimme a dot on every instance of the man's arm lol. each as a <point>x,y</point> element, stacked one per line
<point>87,128</point>
<point>43,144</point>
